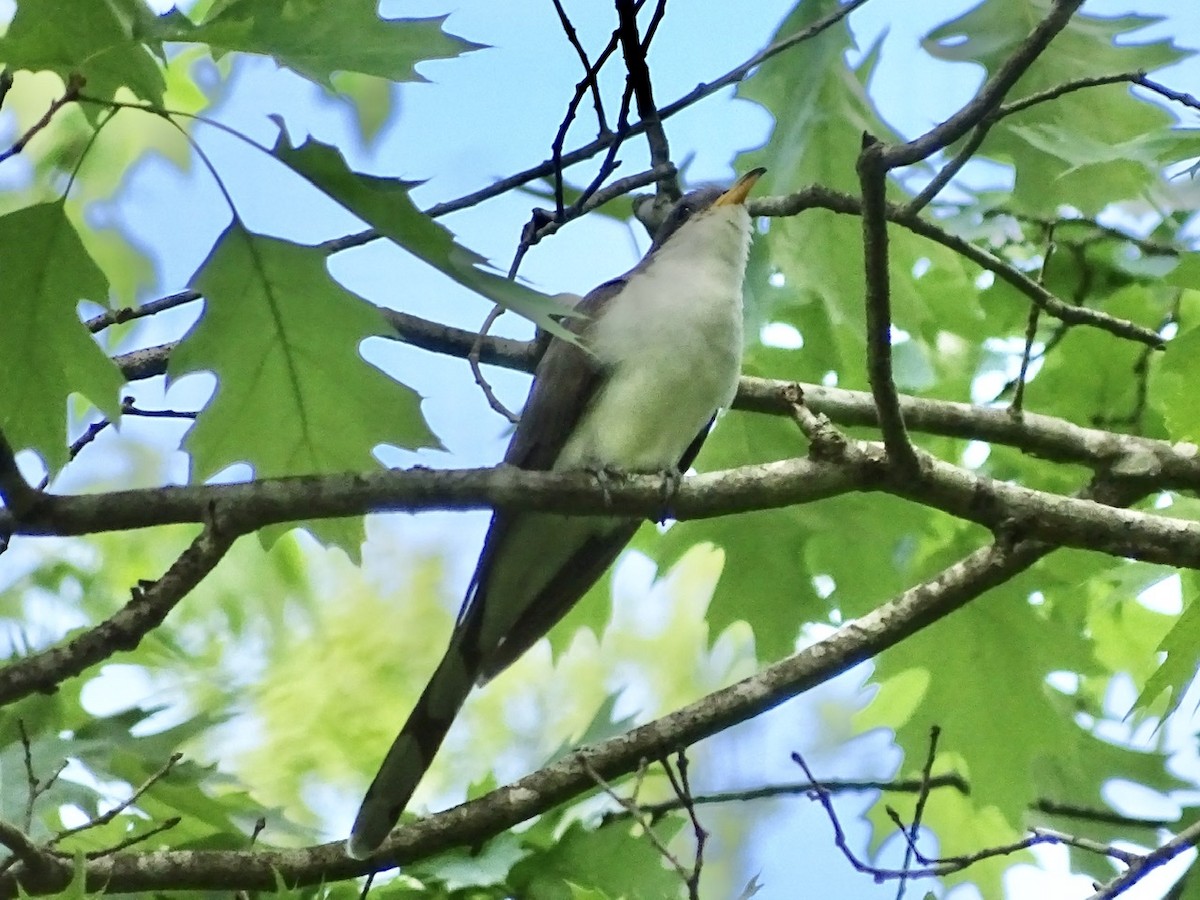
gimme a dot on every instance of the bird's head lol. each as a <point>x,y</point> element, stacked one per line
<point>705,201</point>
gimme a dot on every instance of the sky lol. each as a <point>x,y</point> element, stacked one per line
<point>458,137</point>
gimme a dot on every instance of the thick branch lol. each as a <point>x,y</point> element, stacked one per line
<point>861,466</point>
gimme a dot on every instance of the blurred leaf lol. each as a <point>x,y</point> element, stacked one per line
<point>1097,116</point>
<point>613,858</point>
<point>1179,651</point>
<point>100,41</point>
<point>373,100</point>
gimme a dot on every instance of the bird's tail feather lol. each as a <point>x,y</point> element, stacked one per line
<point>413,751</point>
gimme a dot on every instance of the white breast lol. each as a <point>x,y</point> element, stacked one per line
<point>672,342</point>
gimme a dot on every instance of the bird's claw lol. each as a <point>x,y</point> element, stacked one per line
<point>672,478</point>
<point>605,476</point>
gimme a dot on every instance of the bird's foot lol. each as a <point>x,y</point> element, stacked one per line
<point>672,478</point>
<point>605,476</point>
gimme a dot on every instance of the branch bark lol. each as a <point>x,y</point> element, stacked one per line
<point>860,466</point>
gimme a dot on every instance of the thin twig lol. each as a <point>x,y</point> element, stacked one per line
<point>990,95</point>
<point>1016,408</point>
<point>148,606</point>
<point>950,169</point>
<point>90,434</point>
<point>544,223</point>
<point>839,786</point>
<point>629,804</point>
<point>36,787</point>
<point>683,792</point>
<point>936,868</point>
<point>1110,850</point>
<point>985,123</point>
<point>589,73</point>
<point>1164,91</point>
<point>473,359</point>
<point>128,314</point>
<point>560,136</point>
<point>702,90</point>
<point>1059,225</point>
<point>129,409</point>
<point>135,839</point>
<point>1181,843</point>
<point>919,810</point>
<point>1066,87</point>
<point>106,817</point>
<point>824,198</point>
<point>74,85</point>
<point>95,429</point>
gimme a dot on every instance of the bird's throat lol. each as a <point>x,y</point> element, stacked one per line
<point>671,344</point>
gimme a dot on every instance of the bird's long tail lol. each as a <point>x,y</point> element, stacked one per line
<point>412,752</point>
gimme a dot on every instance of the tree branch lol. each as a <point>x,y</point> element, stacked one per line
<point>1181,843</point>
<point>702,90</point>
<point>872,177</point>
<point>824,198</point>
<point>990,95</point>
<point>146,609</point>
<point>17,493</point>
<point>128,313</point>
<point>643,91</point>
<point>860,466</point>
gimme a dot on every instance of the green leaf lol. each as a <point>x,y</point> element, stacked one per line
<point>48,354</point>
<point>294,394</point>
<point>1180,653</point>
<point>316,41</point>
<point>488,866</point>
<point>801,270</point>
<point>385,205</point>
<point>372,657</point>
<point>1174,395</point>
<point>371,98</point>
<point>771,571</point>
<point>1098,116</point>
<point>615,859</point>
<point>102,41</point>
<point>1070,386</point>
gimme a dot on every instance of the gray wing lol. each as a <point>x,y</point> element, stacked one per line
<point>563,385</point>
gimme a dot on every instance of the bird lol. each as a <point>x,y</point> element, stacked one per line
<point>657,355</point>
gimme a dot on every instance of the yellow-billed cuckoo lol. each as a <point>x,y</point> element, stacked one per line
<point>659,353</point>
